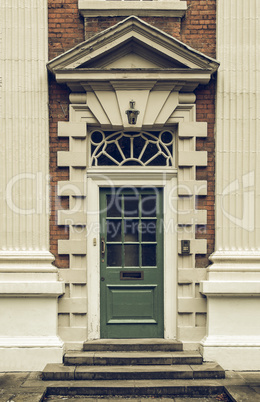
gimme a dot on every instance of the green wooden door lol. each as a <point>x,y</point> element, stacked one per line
<point>131,258</point>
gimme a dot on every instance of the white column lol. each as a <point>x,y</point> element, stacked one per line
<point>29,286</point>
<point>233,286</point>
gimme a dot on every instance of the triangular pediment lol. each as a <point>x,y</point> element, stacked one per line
<point>130,60</point>
<point>132,45</point>
<point>133,53</point>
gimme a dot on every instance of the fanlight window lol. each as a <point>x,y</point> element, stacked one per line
<point>132,148</point>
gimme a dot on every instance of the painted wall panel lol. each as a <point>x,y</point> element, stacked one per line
<point>238,123</point>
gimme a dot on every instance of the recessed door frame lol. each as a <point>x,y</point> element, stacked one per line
<point>164,178</point>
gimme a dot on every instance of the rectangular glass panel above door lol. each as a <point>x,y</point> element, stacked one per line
<point>131,255</point>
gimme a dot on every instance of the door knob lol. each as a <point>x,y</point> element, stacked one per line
<point>102,278</point>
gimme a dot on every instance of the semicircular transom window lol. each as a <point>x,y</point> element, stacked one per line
<point>119,148</point>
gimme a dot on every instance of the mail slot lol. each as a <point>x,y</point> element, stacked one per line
<point>131,275</point>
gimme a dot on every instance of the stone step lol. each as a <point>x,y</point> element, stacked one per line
<point>59,372</point>
<point>131,358</point>
<point>137,345</point>
<point>155,388</point>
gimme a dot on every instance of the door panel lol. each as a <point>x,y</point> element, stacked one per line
<point>131,263</point>
<point>128,304</point>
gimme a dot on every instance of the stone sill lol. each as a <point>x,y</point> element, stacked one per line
<point>231,341</point>
<point>31,289</point>
<point>103,8</point>
<point>230,289</point>
<point>48,341</point>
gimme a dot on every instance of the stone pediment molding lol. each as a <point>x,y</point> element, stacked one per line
<point>133,50</point>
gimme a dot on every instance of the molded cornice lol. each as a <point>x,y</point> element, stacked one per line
<point>94,8</point>
<point>133,50</point>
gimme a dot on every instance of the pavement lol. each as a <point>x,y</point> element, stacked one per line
<point>29,387</point>
<point>218,398</point>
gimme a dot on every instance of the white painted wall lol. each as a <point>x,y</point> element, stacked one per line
<point>238,123</point>
<point>29,286</point>
<point>233,291</point>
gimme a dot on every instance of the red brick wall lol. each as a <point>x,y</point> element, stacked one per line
<point>58,111</point>
<point>198,30</point>
<point>66,29</point>
<point>66,26</point>
<point>205,105</point>
<point>169,25</point>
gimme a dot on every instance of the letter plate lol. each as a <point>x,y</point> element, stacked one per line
<point>131,275</point>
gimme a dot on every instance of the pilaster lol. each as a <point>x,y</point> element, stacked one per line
<point>232,289</point>
<point>29,284</point>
